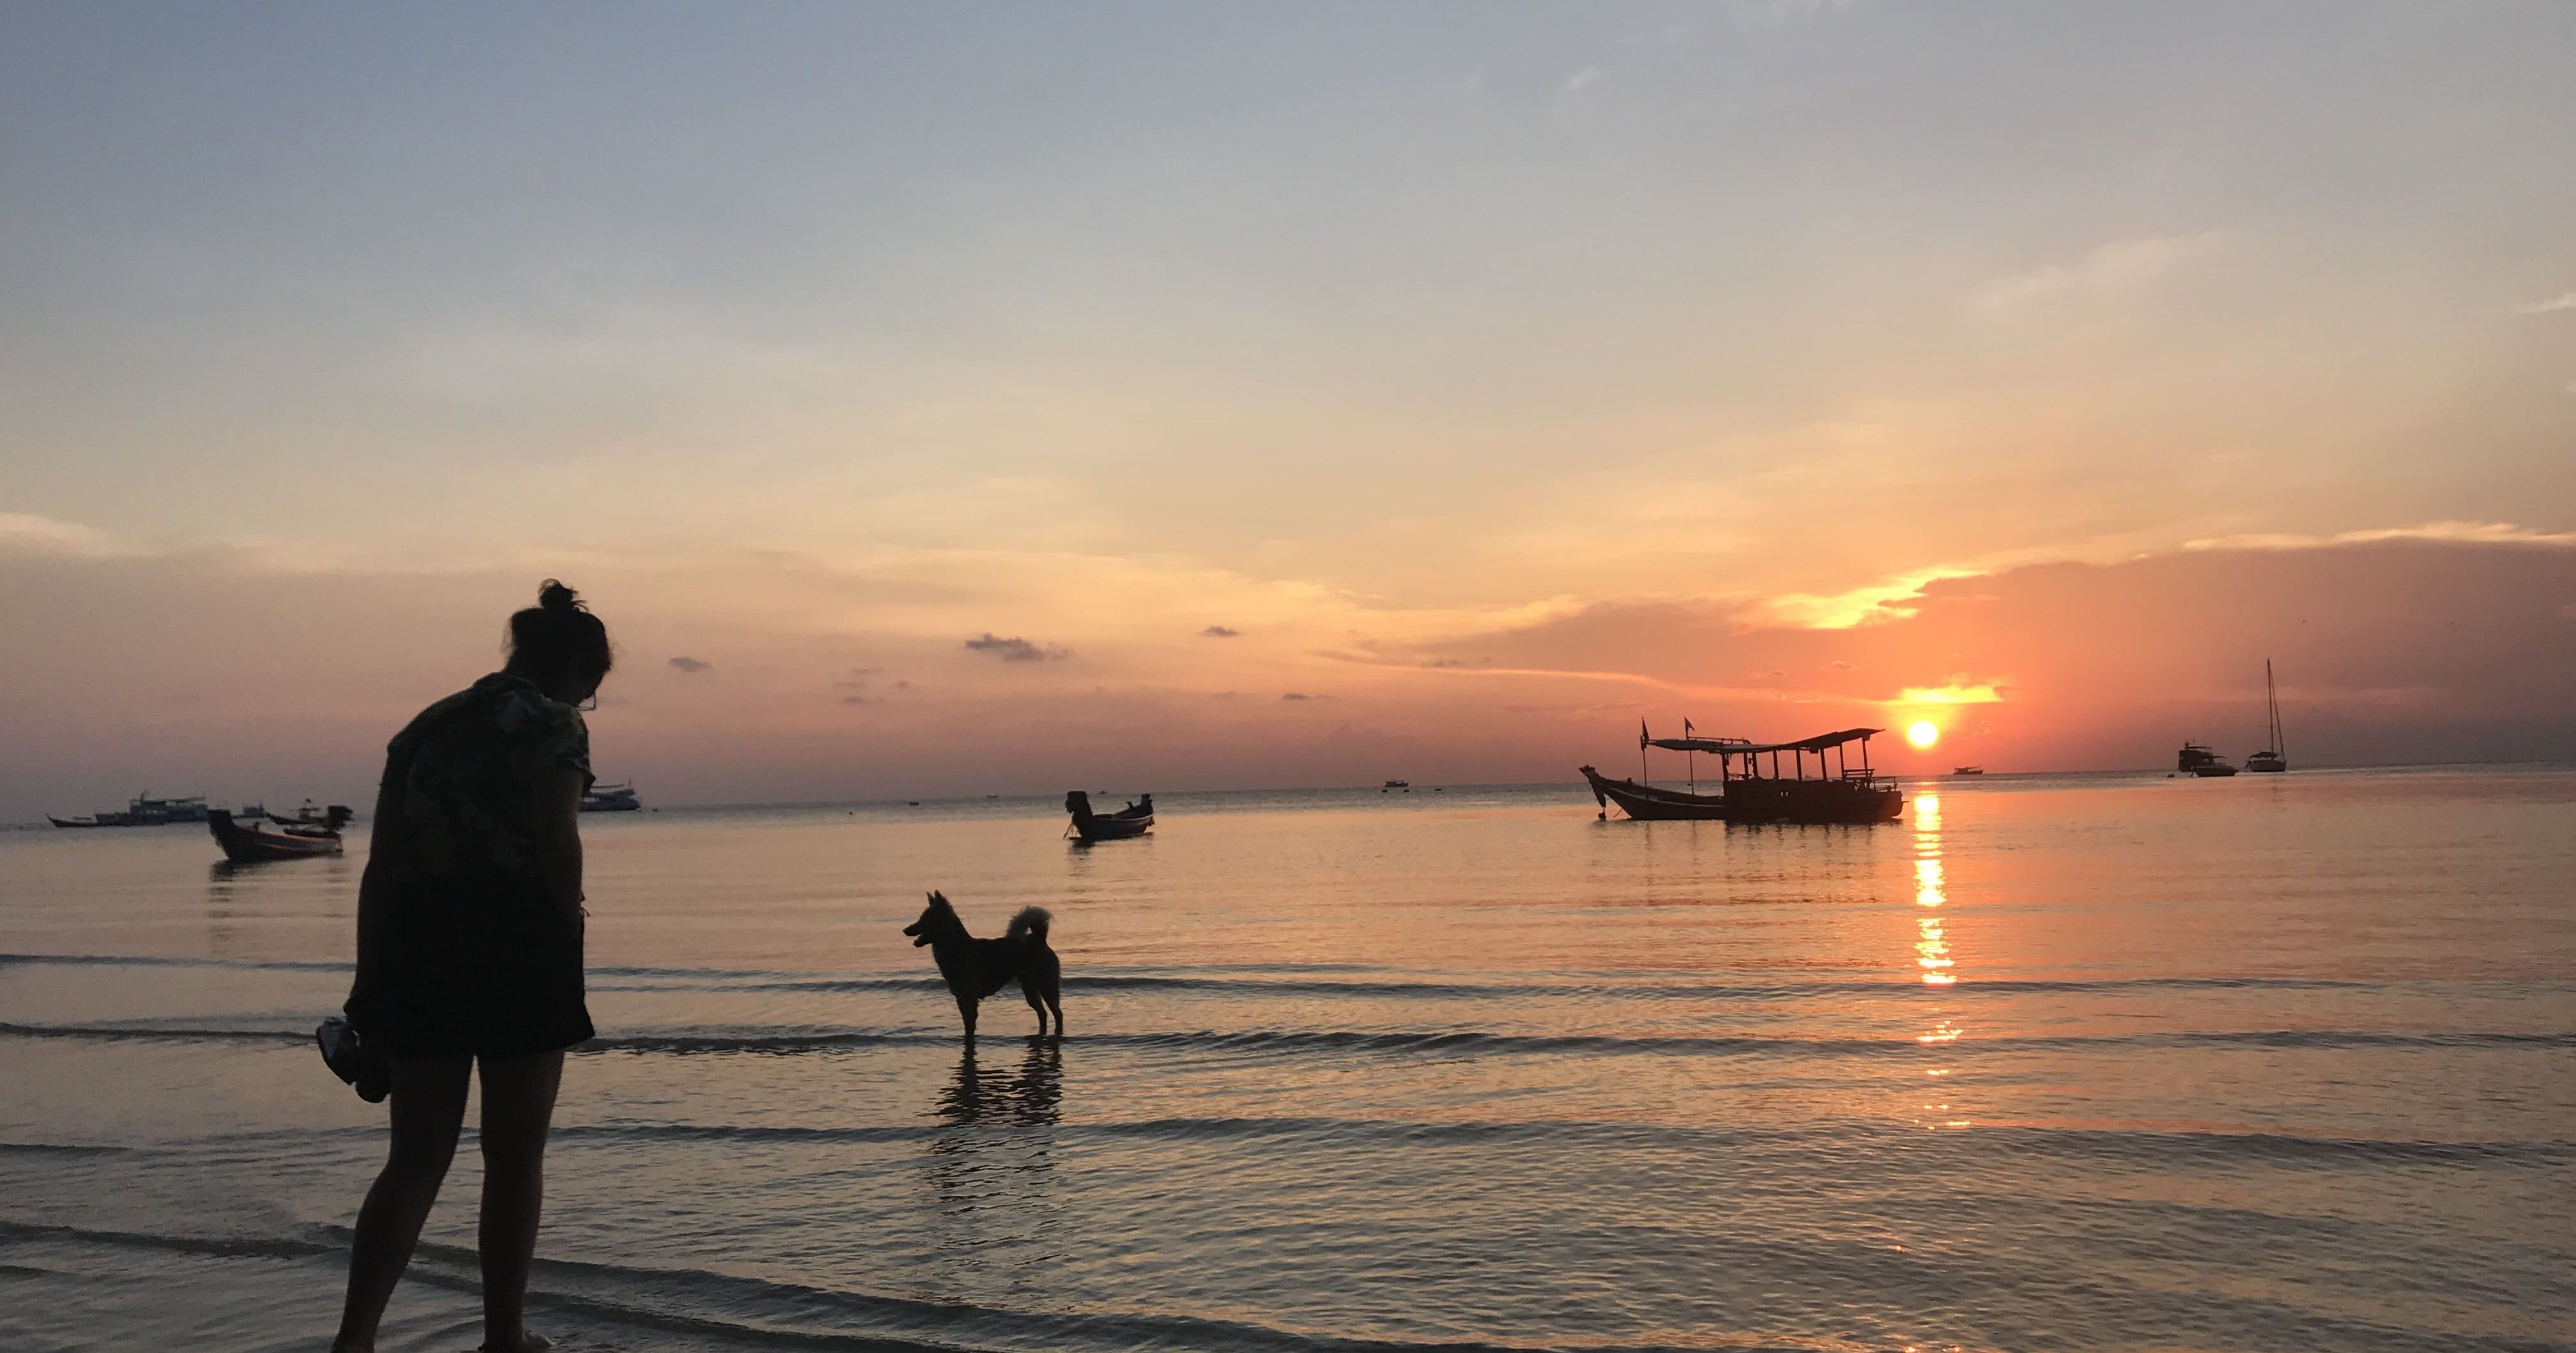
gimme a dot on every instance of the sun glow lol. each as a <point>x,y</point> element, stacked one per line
<point>1923,733</point>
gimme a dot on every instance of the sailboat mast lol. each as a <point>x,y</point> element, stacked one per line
<point>2272,700</point>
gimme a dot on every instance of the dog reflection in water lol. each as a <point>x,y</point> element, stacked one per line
<point>1029,1097</point>
<point>975,969</point>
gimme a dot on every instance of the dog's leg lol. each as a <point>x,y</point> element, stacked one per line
<point>966,1012</point>
<point>1055,1001</point>
<point>1029,988</point>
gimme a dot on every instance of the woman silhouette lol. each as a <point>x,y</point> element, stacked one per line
<point>469,951</point>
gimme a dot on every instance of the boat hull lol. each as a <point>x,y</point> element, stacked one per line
<point>249,845</point>
<point>1645,803</point>
<point>1112,828</point>
<point>1789,802</point>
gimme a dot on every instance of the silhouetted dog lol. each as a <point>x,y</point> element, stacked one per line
<point>975,969</point>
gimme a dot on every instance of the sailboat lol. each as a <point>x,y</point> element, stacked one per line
<point>2275,756</point>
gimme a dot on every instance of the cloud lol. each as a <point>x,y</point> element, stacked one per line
<point>692,666</point>
<point>1016,649</point>
<point>27,533</point>
<point>2117,268</point>
<point>1220,632</point>
<point>1952,694</point>
<point>2428,643</point>
<point>2452,532</point>
<point>854,699</point>
<point>2564,301</point>
<point>1583,79</point>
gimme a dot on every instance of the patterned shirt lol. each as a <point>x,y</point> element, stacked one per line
<point>471,771</point>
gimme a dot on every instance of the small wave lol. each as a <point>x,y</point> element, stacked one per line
<point>1347,980</point>
<point>768,1313</point>
<point>2134,1146</point>
<point>58,1149</point>
<point>1431,1042</point>
<point>151,1033</point>
<point>155,961</point>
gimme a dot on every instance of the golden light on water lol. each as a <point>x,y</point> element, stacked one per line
<point>1923,733</point>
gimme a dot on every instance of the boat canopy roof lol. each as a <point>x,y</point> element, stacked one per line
<point>1732,746</point>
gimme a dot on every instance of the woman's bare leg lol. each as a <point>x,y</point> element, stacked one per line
<point>428,1107</point>
<point>518,1107</point>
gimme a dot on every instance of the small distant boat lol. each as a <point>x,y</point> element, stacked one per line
<point>2195,759</point>
<point>1134,820</point>
<point>142,811</point>
<point>1406,785</point>
<point>2275,756</point>
<point>252,844</point>
<point>1967,770</point>
<point>310,815</point>
<point>611,799</point>
<point>1839,793</point>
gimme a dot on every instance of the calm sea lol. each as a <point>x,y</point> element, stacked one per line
<point>2053,1063</point>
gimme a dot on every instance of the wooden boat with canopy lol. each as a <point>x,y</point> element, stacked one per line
<point>1838,792</point>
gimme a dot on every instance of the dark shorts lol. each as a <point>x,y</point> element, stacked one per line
<point>482,967</point>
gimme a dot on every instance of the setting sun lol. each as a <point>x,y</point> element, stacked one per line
<point>1922,733</point>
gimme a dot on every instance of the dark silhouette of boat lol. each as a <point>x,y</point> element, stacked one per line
<point>252,843</point>
<point>2195,759</point>
<point>1134,820</point>
<point>1967,770</point>
<point>2275,756</point>
<point>142,811</point>
<point>1838,793</point>
<point>611,799</point>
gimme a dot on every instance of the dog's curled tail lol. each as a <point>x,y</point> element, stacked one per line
<point>1030,925</point>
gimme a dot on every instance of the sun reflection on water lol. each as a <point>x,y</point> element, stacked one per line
<point>1932,958</point>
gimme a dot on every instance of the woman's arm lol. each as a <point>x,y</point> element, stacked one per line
<point>559,840</point>
<point>384,841</point>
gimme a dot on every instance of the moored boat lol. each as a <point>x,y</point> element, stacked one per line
<point>1967,770</point>
<point>2275,756</point>
<point>611,799</point>
<point>310,814</point>
<point>142,811</point>
<point>1838,793</point>
<point>1131,821</point>
<point>251,843</point>
<point>2195,759</point>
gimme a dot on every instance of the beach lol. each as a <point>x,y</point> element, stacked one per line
<point>2112,1061</point>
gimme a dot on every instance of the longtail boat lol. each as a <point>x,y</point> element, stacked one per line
<point>1135,819</point>
<point>253,843</point>
<point>1838,793</point>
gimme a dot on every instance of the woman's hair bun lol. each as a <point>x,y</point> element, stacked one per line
<point>554,596</point>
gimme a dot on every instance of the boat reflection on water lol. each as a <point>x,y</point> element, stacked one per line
<point>1932,957</point>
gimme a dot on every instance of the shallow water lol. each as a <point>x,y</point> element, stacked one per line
<point>2053,1063</point>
